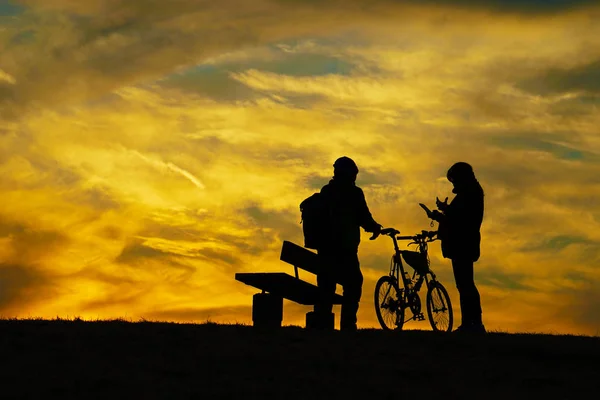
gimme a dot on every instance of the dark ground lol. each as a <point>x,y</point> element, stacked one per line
<point>149,360</point>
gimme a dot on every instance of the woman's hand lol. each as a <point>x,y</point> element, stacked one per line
<point>436,215</point>
<point>441,205</point>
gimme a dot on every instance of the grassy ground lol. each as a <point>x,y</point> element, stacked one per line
<point>148,360</point>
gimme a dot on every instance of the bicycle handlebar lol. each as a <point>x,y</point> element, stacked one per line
<point>405,237</point>
<point>389,231</point>
<point>427,235</point>
<point>424,235</point>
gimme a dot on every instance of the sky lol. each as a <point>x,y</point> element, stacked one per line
<point>150,150</point>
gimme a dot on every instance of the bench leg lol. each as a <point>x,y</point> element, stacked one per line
<point>327,324</point>
<point>267,310</point>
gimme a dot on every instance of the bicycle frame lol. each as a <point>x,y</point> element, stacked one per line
<point>397,268</point>
<point>407,287</point>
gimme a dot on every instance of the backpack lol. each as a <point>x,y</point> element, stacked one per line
<point>314,221</point>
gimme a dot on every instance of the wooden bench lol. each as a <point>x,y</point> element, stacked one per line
<point>267,307</point>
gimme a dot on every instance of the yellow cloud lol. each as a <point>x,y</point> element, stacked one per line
<point>5,77</point>
<point>125,198</point>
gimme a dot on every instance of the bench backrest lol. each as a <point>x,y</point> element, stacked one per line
<point>299,257</point>
<point>302,258</point>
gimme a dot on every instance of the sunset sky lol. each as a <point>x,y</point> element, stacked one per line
<point>151,149</point>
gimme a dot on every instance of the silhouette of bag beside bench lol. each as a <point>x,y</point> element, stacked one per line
<point>267,307</point>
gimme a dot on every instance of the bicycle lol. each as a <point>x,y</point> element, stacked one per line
<point>391,301</point>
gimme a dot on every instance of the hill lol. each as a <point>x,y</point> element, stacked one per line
<point>150,360</point>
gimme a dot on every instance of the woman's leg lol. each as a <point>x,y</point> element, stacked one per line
<point>470,301</point>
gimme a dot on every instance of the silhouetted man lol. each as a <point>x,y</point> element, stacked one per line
<point>459,230</point>
<point>347,213</point>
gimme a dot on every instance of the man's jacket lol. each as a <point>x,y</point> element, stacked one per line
<point>347,213</point>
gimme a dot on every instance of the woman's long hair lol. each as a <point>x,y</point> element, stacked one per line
<point>461,174</point>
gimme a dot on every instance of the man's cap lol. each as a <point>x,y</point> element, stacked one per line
<point>345,164</point>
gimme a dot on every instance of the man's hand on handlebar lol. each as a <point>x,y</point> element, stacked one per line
<point>377,232</point>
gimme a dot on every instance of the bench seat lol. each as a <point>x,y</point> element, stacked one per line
<point>285,286</point>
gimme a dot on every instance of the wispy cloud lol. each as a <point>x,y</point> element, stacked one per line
<point>168,166</point>
<point>4,77</point>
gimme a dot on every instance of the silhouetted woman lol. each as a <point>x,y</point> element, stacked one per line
<point>459,230</point>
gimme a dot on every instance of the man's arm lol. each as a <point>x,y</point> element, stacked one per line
<point>364,214</point>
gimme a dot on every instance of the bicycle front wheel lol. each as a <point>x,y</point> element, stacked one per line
<point>439,308</point>
<point>388,304</point>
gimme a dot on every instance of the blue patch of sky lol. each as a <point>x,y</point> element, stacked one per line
<point>589,100</point>
<point>23,37</point>
<point>9,9</point>
<point>496,278</point>
<point>294,64</point>
<point>560,242</point>
<point>544,3</point>
<point>285,59</point>
<point>584,79</point>
<point>576,107</point>
<point>557,243</point>
<point>576,277</point>
<point>582,100</point>
<point>525,6</point>
<point>214,80</point>
<point>559,151</point>
<point>310,65</point>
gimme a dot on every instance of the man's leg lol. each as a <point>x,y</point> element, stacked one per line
<point>326,284</point>
<point>470,301</point>
<point>353,281</point>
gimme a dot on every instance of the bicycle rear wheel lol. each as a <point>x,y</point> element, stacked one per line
<point>388,304</point>
<point>439,308</point>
